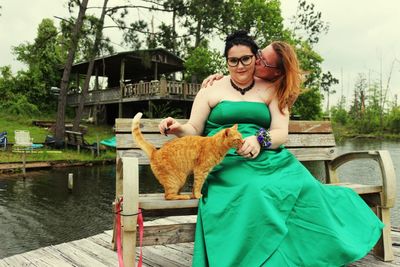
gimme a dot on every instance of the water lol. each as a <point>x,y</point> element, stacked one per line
<point>40,211</point>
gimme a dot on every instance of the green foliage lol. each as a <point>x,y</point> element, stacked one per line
<point>366,115</point>
<point>308,105</point>
<point>163,110</point>
<point>87,37</point>
<point>202,62</point>
<point>261,18</point>
<point>339,113</point>
<point>393,120</point>
<point>307,23</point>
<point>44,58</point>
<point>18,104</point>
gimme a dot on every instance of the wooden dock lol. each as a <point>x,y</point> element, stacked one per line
<point>96,251</point>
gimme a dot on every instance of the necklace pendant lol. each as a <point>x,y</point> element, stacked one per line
<point>242,90</point>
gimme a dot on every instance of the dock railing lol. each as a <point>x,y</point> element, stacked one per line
<point>162,88</point>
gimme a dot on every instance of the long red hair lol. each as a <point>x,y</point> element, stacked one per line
<point>288,83</point>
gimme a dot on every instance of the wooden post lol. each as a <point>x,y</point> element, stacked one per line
<point>383,249</point>
<point>118,193</point>
<point>24,162</point>
<point>121,86</point>
<point>130,206</point>
<point>156,70</point>
<point>97,146</point>
<point>70,181</point>
<point>96,81</point>
<point>163,86</point>
<point>185,89</point>
<point>149,103</point>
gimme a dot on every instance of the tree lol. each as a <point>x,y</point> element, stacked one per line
<point>308,105</point>
<point>202,62</point>
<point>60,122</point>
<point>43,58</point>
<point>262,19</point>
<point>327,81</point>
<point>307,23</point>
<point>92,55</point>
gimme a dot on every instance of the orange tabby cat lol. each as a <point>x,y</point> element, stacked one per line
<point>176,159</point>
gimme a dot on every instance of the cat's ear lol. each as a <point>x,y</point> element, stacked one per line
<point>227,131</point>
<point>235,127</point>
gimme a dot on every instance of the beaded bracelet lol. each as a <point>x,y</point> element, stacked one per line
<point>264,138</point>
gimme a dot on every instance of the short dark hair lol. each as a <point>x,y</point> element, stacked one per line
<point>240,37</point>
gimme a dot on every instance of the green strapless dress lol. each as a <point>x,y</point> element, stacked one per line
<point>270,211</point>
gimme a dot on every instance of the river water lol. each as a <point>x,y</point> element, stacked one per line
<point>40,211</point>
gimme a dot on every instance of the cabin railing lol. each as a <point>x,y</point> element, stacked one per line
<point>142,90</point>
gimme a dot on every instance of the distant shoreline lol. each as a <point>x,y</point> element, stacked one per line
<point>16,167</point>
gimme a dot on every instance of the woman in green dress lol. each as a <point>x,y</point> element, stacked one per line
<point>260,206</point>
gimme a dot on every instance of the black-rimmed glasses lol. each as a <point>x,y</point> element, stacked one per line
<point>245,60</point>
<point>265,64</point>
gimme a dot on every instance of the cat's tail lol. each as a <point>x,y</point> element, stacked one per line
<point>138,136</point>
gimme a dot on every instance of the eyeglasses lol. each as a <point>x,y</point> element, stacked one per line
<point>265,64</point>
<point>245,60</point>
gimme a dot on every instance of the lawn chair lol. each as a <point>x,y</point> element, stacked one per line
<point>23,142</point>
<point>3,140</point>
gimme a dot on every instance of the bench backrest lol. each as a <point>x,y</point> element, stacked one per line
<point>22,138</point>
<point>74,138</point>
<point>308,140</point>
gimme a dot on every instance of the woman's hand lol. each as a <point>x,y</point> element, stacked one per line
<point>250,148</point>
<point>210,79</point>
<point>170,126</point>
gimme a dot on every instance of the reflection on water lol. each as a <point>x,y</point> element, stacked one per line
<point>369,173</point>
<point>40,211</point>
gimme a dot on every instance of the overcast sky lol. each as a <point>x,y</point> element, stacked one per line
<point>363,36</point>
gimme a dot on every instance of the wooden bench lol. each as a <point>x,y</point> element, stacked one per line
<point>77,140</point>
<point>308,141</point>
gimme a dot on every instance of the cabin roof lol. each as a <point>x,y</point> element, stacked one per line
<point>139,64</point>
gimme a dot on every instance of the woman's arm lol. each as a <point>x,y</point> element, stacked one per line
<point>198,116</point>
<point>279,124</point>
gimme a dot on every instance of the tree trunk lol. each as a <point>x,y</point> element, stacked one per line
<point>60,122</point>
<point>79,113</point>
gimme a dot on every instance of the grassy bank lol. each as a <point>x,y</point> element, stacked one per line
<point>342,132</point>
<point>95,133</point>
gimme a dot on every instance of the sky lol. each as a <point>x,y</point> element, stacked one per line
<point>363,37</point>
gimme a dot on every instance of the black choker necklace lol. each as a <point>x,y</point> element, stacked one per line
<point>242,90</point>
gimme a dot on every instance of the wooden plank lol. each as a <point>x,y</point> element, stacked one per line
<point>302,154</point>
<point>28,165</point>
<point>77,256</point>
<point>151,126</point>
<point>42,257</point>
<point>102,254</point>
<point>162,258</point>
<point>361,188</point>
<point>17,260</point>
<point>185,249</point>
<point>168,234</point>
<point>123,125</point>
<point>157,201</point>
<point>125,141</point>
<point>314,153</point>
<point>310,127</point>
<point>102,239</point>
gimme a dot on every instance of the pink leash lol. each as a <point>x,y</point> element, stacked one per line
<point>141,230</point>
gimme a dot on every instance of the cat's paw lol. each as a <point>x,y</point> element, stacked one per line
<point>197,195</point>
